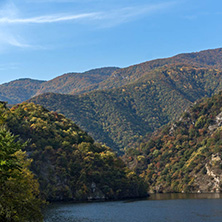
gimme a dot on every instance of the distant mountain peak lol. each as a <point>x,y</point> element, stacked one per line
<point>104,78</point>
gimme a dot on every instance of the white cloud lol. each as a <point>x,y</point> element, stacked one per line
<point>116,17</point>
<point>11,21</point>
<point>122,14</point>
<point>7,38</point>
<point>8,10</point>
<point>47,19</point>
<point>15,42</point>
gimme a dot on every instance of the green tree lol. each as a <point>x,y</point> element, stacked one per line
<point>18,189</point>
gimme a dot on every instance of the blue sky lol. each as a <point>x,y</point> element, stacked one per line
<point>42,39</point>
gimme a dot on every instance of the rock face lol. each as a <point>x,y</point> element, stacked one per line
<point>218,123</point>
<point>96,193</point>
<point>212,180</point>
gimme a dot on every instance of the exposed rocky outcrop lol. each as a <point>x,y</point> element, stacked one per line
<point>96,193</point>
<point>210,178</point>
<point>218,123</point>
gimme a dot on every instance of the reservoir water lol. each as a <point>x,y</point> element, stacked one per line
<point>156,208</point>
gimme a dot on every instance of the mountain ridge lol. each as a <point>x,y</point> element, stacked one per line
<point>131,102</point>
<point>113,77</point>
<point>206,58</point>
<point>20,90</point>
<point>73,82</point>
<point>124,114</point>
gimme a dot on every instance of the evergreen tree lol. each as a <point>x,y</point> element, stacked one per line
<point>18,189</point>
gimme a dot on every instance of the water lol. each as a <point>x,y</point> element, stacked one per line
<point>157,208</point>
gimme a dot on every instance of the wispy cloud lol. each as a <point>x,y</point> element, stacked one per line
<point>9,38</point>
<point>123,14</point>
<point>15,42</point>
<point>47,19</point>
<point>11,19</point>
<point>127,14</point>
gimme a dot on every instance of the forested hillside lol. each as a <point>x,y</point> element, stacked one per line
<point>104,78</point>
<point>127,104</point>
<point>210,59</point>
<point>66,161</point>
<point>19,190</point>
<point>119,117</point>
<point>23,89</point>
<point>19,90</point>
<point>184,156</point>
<point>75,83</point>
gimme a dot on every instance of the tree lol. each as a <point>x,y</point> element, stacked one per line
<point>19,191</point>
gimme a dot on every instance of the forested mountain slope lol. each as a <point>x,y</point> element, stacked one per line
<point>74,83</point>
<point>66,161</point>
<point>137,99</point>
<point>210,59</point>
<point>184,156</point>
<point>23,89</point>
<point>118,117</point>
<point>105,78</point>
<point>19,90</point>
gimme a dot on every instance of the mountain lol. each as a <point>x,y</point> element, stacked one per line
<point>210,59</point>
<point>106,78</point>
<point>185,156</point>
<point>119,117</point>
<point>23,89</point>
<point>74,83</point>
<point>19,90</point>
<point>131,102</point>
<point>66,161</point>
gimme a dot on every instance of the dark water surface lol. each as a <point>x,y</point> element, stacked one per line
<point>156,208</point>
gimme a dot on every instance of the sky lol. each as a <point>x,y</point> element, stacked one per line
<point>42,39</point>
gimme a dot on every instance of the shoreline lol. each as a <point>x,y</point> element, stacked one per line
<point>151,196</point>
